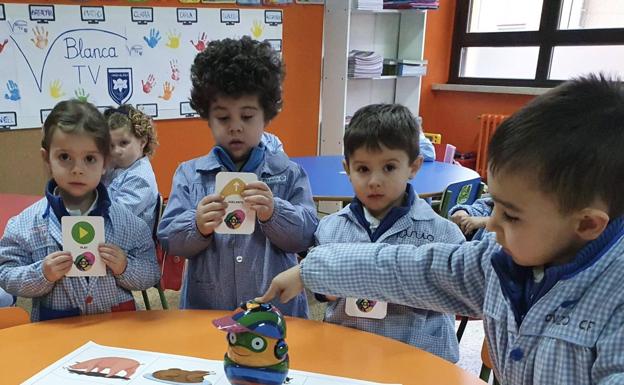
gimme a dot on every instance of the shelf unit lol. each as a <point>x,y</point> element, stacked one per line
<point>394,34</point>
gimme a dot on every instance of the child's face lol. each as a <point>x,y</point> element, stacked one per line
<point>237,124</point>
<point>75,163</point>
<point>528,223</point>
<point>125,148</point>
<point>379,177</point>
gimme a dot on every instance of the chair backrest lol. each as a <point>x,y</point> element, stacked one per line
<point>434,138</point>
<point>449,153</point>
<point>13,316</point>
<point>460,193</point>
<point>158,211</point>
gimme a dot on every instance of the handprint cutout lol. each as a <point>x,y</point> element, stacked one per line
<point>4,43</point>
<point>41,38</point>
<point>174,39</point>
<point>167,91</point>
<point>149,84</point>
<point>55,89</point>
<point>257,29</point>
<point>175,71</point>
<point>202,40</point>
<point>153,39</point>
<point>81,95</point>
<point>13,90</point>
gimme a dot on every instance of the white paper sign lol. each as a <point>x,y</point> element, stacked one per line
<point>238,219</point>
<point>81,237</point>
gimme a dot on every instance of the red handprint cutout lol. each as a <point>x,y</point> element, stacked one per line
<point>175,71</point>
<point>147,85</point>
<point>201,42</point>
<point>4,43</point>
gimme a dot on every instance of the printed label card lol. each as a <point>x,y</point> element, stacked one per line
<point>366,308</point>
<point>81,237</point>
<point>239,219</point>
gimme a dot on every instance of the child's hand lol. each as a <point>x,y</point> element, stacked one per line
<point>458,216</point>
<point>210,213</point>
<point>260,199</point>
<point>56,265</point>
<point>471,224</point>
<point>287,285</point>
<point>113,257</point>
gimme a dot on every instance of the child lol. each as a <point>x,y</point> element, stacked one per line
<point>473,218</point>
<point>548,280</point>
<point>133,140</point>
<point>381,155</point>
<point>75,147</point>
<point>272,142</point>
<point>237,89</point>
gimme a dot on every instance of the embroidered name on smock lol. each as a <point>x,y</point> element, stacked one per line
<point>415,234</point>
<point>274,179</point>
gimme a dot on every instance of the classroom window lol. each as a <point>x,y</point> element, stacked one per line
<point>536,43</point>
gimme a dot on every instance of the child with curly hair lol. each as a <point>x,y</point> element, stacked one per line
<point>132,182</point>
<point>237,88</point>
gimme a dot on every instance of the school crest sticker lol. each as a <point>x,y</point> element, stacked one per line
<point>119,84</point>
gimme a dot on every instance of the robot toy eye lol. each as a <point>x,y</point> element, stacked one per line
<point>231,338</point>
<point>258,344</point>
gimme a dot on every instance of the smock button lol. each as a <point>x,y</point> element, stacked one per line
<point>516,354</point>
<point>239,259</point>
<point>89,299</point>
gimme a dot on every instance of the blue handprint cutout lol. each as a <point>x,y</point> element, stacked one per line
<point>154,38</point>
<point>13,91</point>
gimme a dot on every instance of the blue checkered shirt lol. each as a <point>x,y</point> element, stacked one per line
<point>425,329</point>
<point>36,232</point>
<point>554,345</point>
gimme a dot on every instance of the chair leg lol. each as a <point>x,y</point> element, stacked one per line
<point>163,299</point>
<point>146,300</point>
<point>484,374</point>
<point>462,326</point>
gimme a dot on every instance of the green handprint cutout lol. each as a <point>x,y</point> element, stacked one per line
<point>257,29</point>
<point>174,39</point>
<point>80,95</point>
<point>55,89</point>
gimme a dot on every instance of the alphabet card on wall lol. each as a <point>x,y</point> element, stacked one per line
<point>109,55</point>
<point>239,218</point>
<point>81,237</point>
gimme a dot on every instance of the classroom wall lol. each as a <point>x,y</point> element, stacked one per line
<point>21,169</point>
<point>454,114</point>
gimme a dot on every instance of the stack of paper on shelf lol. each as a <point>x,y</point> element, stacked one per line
<point>411,4</point>
<point>368,5</point>
<point>364,64</point>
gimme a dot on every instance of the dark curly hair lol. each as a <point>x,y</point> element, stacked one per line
<point>139,124</point>
<point>234,68</point>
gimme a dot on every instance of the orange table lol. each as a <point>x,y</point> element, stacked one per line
<point>313,346</point>
<point>13,204</point>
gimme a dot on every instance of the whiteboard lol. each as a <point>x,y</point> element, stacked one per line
<point>110,55</point>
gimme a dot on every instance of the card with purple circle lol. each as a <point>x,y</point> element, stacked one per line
<point>239,218</point>
<point>81,237</point>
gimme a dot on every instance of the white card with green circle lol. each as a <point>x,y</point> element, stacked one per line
<point>81,237</point>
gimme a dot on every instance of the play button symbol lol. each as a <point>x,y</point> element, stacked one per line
<point>83,232</point>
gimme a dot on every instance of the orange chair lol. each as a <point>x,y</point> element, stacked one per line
<point>13,316</point>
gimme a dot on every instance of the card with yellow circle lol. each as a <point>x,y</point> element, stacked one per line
<point>238,219</point>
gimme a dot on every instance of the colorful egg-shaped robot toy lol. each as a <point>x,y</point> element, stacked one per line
<point>257,352</point>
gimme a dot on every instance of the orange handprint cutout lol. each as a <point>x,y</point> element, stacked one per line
<point>41,38</point>
<point>167,91</point>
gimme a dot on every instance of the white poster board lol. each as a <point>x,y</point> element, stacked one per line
<point>111,55</point>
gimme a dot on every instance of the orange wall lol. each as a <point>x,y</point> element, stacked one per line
<point>454,114</point>
<point>297,124</point>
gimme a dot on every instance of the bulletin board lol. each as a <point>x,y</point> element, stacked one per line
<point>110,55</point>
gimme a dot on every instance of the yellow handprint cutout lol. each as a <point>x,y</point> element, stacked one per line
<point>41,37</point>
<point>167,91</point>
<point>174,39</point>
<point>257,29</point>
<point>55,89</point>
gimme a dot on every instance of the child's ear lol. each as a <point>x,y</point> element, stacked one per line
<point>416,165</point>
<point>591,223</point>
<point>143,143</point>
<point>345,166</point>
<point>45,156</point>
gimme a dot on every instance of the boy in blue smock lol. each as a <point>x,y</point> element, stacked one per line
<point>381,155</point>
<point>75,148</point>
<point>472,218</point>
<point>237,88</point>
<point>547,280</point>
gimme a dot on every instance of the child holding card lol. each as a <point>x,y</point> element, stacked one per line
<point>33,263</point>
<point>133,141</point>
<point>237,88</point>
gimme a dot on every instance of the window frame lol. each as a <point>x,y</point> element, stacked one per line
<point>546,38</point>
